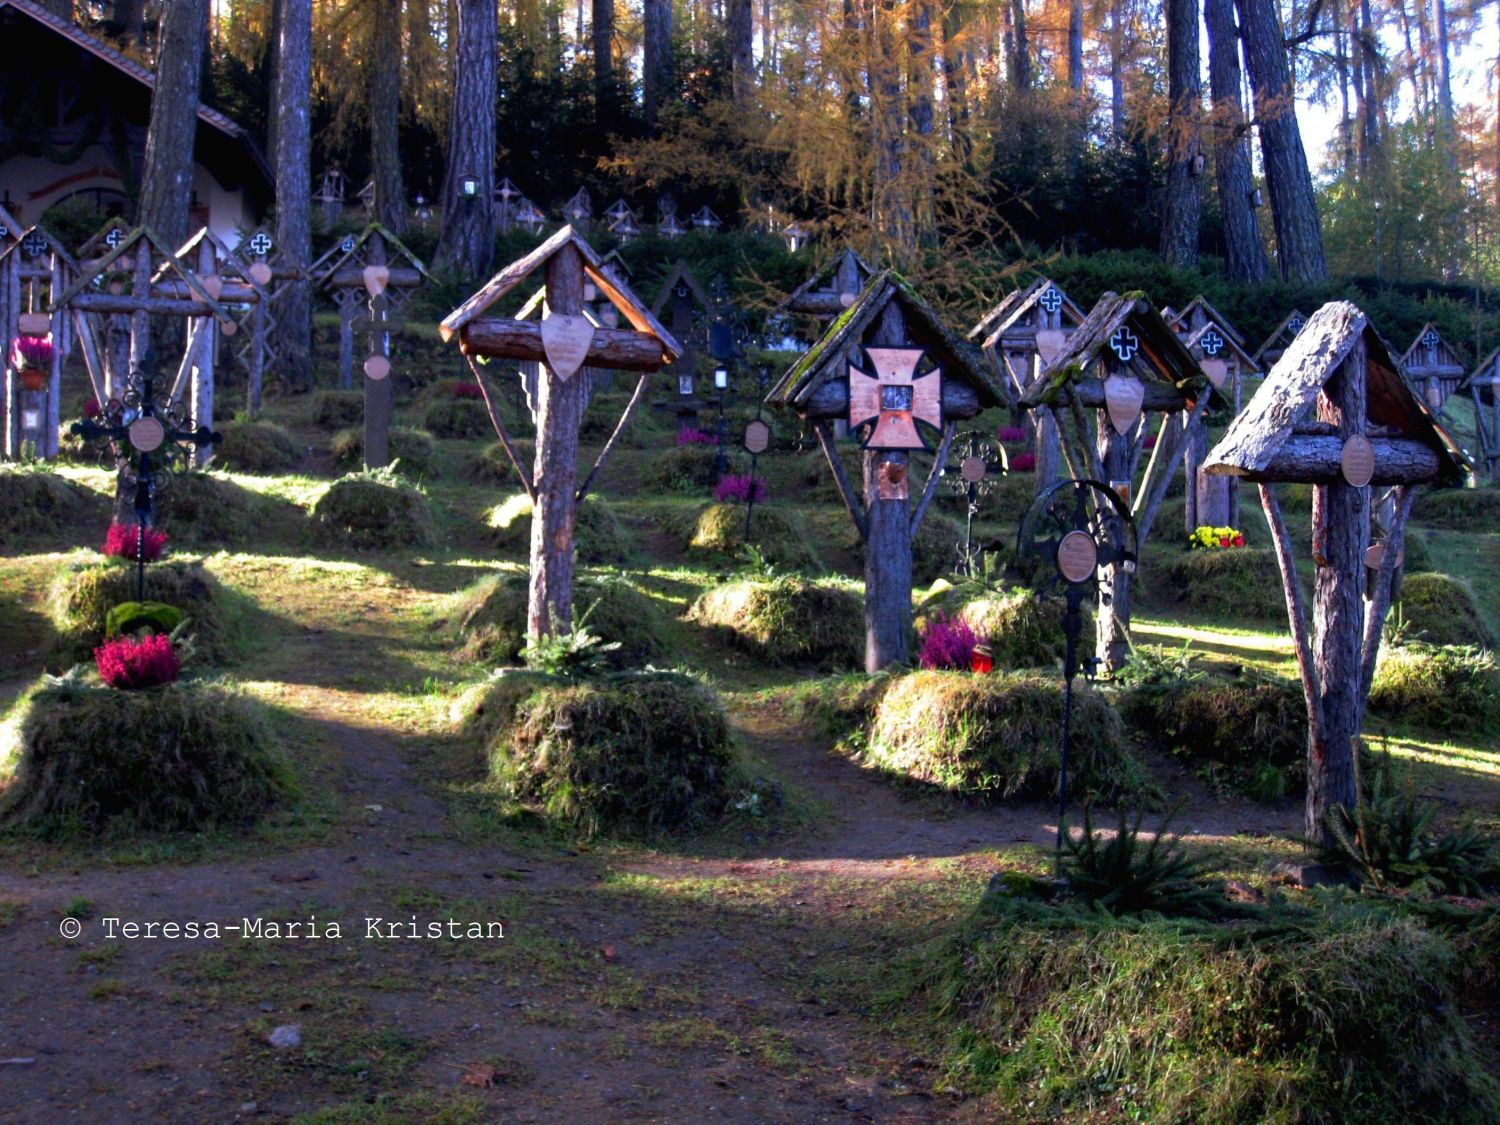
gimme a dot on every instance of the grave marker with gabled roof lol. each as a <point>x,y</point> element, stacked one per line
<point>892,370</point>
<point>1280,338</point>
<point>1122,362</point>
<point>1367,427</point>
<point>1195,314</point>
<point>1212,500</point>
<point>1433,366</point>
<point>34,269</point>
<point>565,340</point>
<point>831,290</point>
<point>1483,385</point>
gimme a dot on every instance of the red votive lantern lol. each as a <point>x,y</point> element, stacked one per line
<point>981,660</point>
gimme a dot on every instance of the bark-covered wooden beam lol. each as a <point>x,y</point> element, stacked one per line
<point>619,349</point>
<point>831,400</point>
<point>1316,459</point>
<point>353,277</point>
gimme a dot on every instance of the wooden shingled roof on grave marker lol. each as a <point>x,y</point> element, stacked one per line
<point>1433,365</point>
<point>1281,336</point>
<point>831,290</point>
<point>35,267</point>
<point>566,342</point>
<point>1195,314</point>
<point>880,343</point>
<point>1024,325</point>
<point>1336,412</point>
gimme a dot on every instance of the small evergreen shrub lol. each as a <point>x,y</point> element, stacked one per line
<point>1441,610</point>
<point>1441,687</point>
<point>789,620</point>
<point>413,453</point>
<point>373,511</point>
<point>999,736</point>
<point>779,534</point>
<point>635,755</point>
<point>91,761</point>
<point>1121,874</point>
<point>83,596</point>
<point>257,447</point>
<point>452,417</point>
<point>1461,509</point>
<point>1242,584</point>
<point>335,410</point>
<point>38,502</point>
<point>598,536</point>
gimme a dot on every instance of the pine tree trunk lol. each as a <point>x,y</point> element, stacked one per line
<point>1075,44</point>
<point>167,178</point>
<point>888,116</point>
<point>385,117</point>
<point>1117,68</point>
<point>742,51</point>
<point>1246,257</point>
<point>1180,219</point>
<point>1020,63</point>
<point>559,413</point>
<point>657,67</point>
<point>1112,619</point>
<point>467,242</point>
<point>1370,132</point>
<point>1294,208</point>
<point>606,90</point>
<point>292,159</point>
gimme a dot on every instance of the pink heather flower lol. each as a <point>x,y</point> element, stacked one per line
<point>131,664</point>
<point>121,541</point>
<point>689,436</point>
<point>32,351</point>
<point>466,390</point>
<point>947,642</point>
<point>1023,463</point>
<point>737,489</point>
<point>1011,435</point>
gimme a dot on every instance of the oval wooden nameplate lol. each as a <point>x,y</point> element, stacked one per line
<point>146,434</point>
<point>566,340</point>
<point>1123,395</point>
<point>1357,462</point>
<point>34,324</point>
<point>973,469</point>
<point>377,367</point>
<point>1375,555</point>
<point>260,273</point>
<point>376,278</point>
<point>1077,556</point>
<point>757,436</point>
<point>228,327</point>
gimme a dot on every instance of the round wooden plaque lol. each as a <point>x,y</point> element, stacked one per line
<point>757,436</point>
<point>377,367</point>
<point>1077,556</point>
<point>260,273</point>
<point>1358,461</point>
<point>1375,555</point>
<point>973,469</point>
<point>147,434</point>
<point>228,327</point>
<point>34,324</point>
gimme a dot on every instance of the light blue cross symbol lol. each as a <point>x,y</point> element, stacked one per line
<point>1295,325</point>
<point>1430,339</point>
<point>347,246</point>
<point>1212,343</point>
<point>114,237</point>
<point>1124,343</point>
<point>260,244</point>
<point>34,246</point>
<point>1051,300</point>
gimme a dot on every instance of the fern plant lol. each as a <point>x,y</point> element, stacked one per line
<point>1125,875</point>
<point>575,654</point>
<point>756,565</point>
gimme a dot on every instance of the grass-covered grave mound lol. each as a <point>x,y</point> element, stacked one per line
<point>37,502</point>
<point>1441,611</point>
<point>373,510</point>
<point>641,754</point>
<point>691,469</point>
<point>999,736</point>
<point>789,619</point>
<point>334,410</point>
<point>82,595</point>
<point>1238,583</point>
<point>461,418</point>
<point>1022,630</point>
<point>256,447</point>
<point>1440,687</point>
<point>490,618</point>
<point>598,535</point>
<point>81,759</point>
<point>211,511</point>
<point>1066,1013</point>
<point>718,533</point>
<point>413,452</point>
<point>1460,509</point>
<point>491,464</point>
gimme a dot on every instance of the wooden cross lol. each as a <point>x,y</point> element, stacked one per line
<point>894,399</point>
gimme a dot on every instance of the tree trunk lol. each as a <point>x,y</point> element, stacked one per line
<point>1371,116</point>
<point>893,216</point>
<point>657,71</point>
<point>1246,257</point>
<point>129,18</point>
<point>1020,63</point>
<point>919,80</point>
<point>559,413</point>
<point>167,179</point>
<point>467,242</point>
<point>606,90</point>
<point>1294,209</point>
<point>1048,450</point>
<point>1075,44</point>
<point>292,159</point>
<point>1180,218</point>
<point>385,117</point>
<point>887,537</point>
<point>742,51</point>
<point>1117,68</point>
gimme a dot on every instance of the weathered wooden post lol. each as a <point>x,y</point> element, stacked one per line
<point>564,340</point>
<point>885,365</point>
<point>1023,334</point>
<point>1121,362</point>
<point>1369,429</point>
<point>259,260</point>
<point>1483,386</point>
<point>34,269</point>
<point>1433,366</point>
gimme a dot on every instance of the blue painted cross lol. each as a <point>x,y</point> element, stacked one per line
<point>114,237</point>
<point>1051,300</point>
<point>1430,340</point>
<point>1124,344</point>
<point>347,246</point>
<point>261,244</point>
<point>1295,325</point>
<point>34,246</point>
<point>1211,342</point>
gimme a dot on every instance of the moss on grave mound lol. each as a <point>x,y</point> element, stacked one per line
<point>34,502</point>
<point>491,619</point>
<point>463,418</point>
<point>89,760</point>
<point>334,410</point>
<point>718,534</point>
<point>1461,509</point>
<point>689,469</point>
<point>1060,1012</point>
<point>1248,732</point>
<point>634,755</point>
<point>789,620</point>
<point>82,595</point>
<point>1240,583</point>
<point>373,511</point>
<point>1441,610</point>
<point>598,535</point>
<point>257,447</point>
<point>1441,687</point>
<point>413,452</point>
<point>999,736</point>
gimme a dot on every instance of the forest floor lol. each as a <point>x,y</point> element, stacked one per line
<point>731,977</point>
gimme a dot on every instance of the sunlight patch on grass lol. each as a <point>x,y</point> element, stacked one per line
<point>1466,759</point>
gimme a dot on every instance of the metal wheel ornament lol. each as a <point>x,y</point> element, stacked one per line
<point>975,467</point>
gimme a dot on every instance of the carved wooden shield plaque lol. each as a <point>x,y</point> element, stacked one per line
<point>1216,369</point>
<point>1077,556</point>
<point>377,367</point>
<point>1049,342</point>
<point>895,398</point>
<point>1123,395</point>
<point>146,434</point>
<point>566,340</point>
<point>34,324</point>
<point>1357,462</point>
<point>376,279</point>
<point>213,285</point>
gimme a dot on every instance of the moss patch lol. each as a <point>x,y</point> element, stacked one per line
<point>494,466</point>
<point>491,618</point>
<point>1441,610</point>
<point>369,514</point>
<point>999,736</point>
<point>639,755</point>
<point>1240,584</point>
<point>1462,509</point>
<point>414,449</point>
<point>184,758</point>
<point>789,620</point>
<point>1446,687</point>
<point>333,410</point>
<point>598,536</point>
<point>257,447</point>
<point>82,596</point>
<point>36,502</point>
<point>780,535</point>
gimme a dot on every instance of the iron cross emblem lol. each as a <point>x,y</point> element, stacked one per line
<point>1211,343</point>
<point>895,398</point>
<point>1051,300</point>
<point>1124,344</point>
